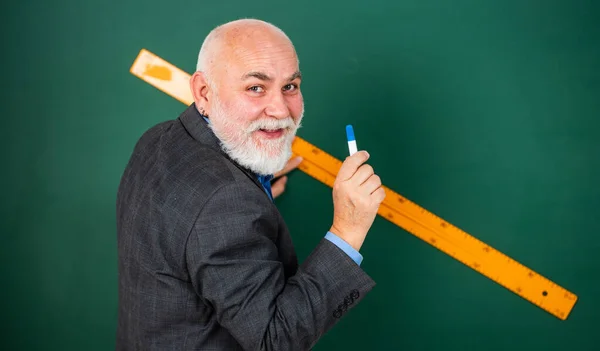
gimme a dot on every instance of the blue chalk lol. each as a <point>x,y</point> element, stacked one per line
<point>350,132</point>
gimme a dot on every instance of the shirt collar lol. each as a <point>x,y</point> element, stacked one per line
<point>265,178</point>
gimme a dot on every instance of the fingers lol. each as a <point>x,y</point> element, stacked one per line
<point>379,195</point>
<point>351,164</point>
<point>371,184</point>
<point>363,173</point>
<point>278,187</point>
<point>290,165</point>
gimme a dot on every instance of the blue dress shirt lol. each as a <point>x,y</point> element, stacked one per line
<point>265,180</point>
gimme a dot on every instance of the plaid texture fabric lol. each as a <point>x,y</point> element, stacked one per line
<point>205,259</point>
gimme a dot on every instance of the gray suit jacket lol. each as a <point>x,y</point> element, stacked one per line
<point>205,259</point>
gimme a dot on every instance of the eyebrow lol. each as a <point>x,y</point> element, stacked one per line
<point>296,74</point>
<point>266,77</point>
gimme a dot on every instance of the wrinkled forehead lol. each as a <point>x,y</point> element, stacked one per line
<point>277,59</point>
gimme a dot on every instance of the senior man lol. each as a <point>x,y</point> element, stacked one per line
<point>206,261</point>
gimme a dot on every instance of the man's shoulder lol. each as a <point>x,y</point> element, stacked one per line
<point>167,156</point>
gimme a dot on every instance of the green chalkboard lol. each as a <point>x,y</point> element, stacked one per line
<point>484,112</point>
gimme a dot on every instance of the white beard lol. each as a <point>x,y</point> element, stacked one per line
<point>265,157</point>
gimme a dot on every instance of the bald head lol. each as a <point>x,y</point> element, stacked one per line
<point>231,40</point>
<point>247,84</point>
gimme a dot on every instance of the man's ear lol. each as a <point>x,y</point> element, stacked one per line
<point>200,90</point>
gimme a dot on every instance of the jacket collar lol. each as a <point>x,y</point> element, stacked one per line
<point>198,128</point>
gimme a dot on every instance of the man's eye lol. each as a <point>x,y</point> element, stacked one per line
<point>256,89</point>
<point>290,87</point>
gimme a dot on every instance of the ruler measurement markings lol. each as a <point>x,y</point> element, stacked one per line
<point>516,286</point>
<point>332,165</point>
<point>385,211</point>
<point>397,209</point>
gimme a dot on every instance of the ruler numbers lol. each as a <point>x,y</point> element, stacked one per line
<point>395,208</point>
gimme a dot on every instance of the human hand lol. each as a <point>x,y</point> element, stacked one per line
<point>357,194</point>
<point>278,186</point>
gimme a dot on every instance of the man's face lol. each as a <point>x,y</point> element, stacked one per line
<point>256,104</point>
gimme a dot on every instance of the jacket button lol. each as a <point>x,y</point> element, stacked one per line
<point>337,313</point>
<point>354,294</point>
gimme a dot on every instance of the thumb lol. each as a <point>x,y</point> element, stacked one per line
<point>351,164</point>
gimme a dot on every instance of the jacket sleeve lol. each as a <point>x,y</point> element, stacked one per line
<point>234,267</point>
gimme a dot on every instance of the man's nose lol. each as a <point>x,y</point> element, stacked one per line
<point>277,106</point>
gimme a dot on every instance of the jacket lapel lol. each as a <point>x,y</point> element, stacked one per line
<point>197,127</point>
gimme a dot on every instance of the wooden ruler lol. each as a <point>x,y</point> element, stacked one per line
<point>397,209</point>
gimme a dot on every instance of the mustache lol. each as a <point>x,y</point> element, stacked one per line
<point>271,123</point>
